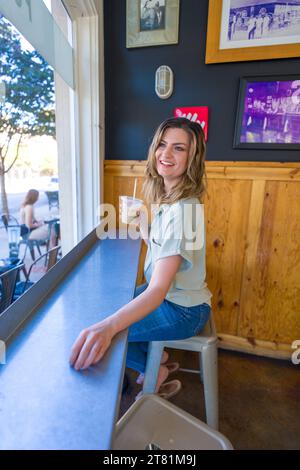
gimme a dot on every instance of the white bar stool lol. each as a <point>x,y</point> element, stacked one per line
<point>206,344</point>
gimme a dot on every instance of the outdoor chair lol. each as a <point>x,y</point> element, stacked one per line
<point>7,286</point>
<point>45,262</point>
<point>53,199</point>
<point>8,220</point>
<point>18,235</point>
<point>12,228</point>
<point>206,345</point>
<point>53,227</point>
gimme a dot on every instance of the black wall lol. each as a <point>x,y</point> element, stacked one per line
<point>133,111</point>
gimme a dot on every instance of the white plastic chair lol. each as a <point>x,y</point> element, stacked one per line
<point>206,345</point>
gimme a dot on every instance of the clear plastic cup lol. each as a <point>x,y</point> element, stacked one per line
<point>129,208</point>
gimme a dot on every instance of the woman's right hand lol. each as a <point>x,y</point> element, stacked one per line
<point>91,345</point>
<point>141,216</point>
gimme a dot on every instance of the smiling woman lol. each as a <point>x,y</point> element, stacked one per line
<point>180,142</point>
<point>172,156</point>
<point>174,303</point>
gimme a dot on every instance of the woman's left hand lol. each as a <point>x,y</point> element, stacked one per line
<point>91,345</point>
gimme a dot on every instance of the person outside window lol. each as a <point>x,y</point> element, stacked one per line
<point>38,230</point>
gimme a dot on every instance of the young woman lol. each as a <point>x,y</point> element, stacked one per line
<point>37,228</point>
<point>175,302</point>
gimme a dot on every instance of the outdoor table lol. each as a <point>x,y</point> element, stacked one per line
<point>8,263</point>
<point>45,403</point>
<point>53,222</point>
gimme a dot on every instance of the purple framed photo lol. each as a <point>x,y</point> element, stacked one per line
<point>268,114</point>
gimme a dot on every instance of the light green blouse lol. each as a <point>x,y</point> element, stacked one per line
<point>178,229</point>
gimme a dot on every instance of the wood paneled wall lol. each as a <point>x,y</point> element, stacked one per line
<point>253,249</point>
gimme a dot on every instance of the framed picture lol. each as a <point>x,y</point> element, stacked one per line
<point>268,114</point>
<point>152,22</point>
<point>240,30</point>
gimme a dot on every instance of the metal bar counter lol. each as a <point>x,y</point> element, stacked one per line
<point>44,403</point>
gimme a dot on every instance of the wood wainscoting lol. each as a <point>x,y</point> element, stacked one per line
<point>253,249</point>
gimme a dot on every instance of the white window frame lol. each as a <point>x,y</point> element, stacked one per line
<point>80,125</point>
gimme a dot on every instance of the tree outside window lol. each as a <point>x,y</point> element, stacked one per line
<point>27,99</point>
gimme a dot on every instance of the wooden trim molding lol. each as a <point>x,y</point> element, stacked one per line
<point>256,347</point>
<point>231,170</point>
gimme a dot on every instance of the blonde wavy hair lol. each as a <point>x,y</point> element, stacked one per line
<point>193,182</point>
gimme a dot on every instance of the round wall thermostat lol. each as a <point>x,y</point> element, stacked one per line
<point>164,82</point>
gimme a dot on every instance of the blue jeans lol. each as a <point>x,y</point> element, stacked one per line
<point>167,322</point>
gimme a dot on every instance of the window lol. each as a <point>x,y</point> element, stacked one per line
<point>79,124</point>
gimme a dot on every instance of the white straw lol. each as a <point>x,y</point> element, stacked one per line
<point>134,190</point>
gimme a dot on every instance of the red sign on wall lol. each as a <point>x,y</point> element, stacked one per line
<point>195,113</point>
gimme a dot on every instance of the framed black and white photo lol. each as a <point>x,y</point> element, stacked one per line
<point>241,30</point>
<point>152,15</point>
<point>152,22</point>
<point>268,113</point>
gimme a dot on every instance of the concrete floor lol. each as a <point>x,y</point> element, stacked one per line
<point>258,398</point>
